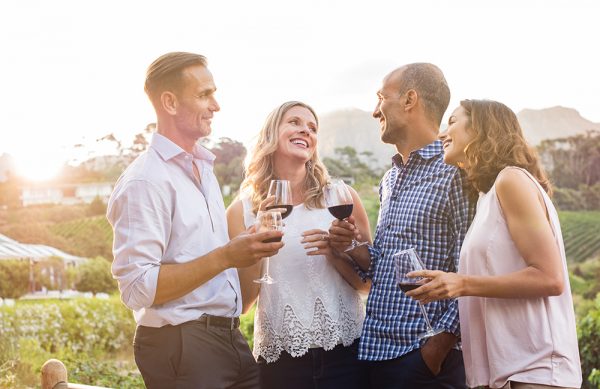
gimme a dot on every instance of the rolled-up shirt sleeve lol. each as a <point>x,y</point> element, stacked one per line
<point>141,219</point>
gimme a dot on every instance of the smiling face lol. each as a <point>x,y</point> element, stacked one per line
<point>389,110</point>
<point>457,137</point>
<point>297,137</point>
<point>196,103</point>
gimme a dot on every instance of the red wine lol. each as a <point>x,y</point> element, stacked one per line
<point>341,211</point>
<point>288,209</point>
<point>407,286</point>
<point>273,240</point>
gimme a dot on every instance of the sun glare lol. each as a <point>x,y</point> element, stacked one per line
<point>38,169</point>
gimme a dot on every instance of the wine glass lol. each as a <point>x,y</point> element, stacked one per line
<point>406,261</point>
<point>340,204</point>
<point>268,221</point>
<point>282,192</point>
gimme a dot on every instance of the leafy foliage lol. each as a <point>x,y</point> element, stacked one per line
<point>95,276</point>
<point>349,163</point>
<point>247,326</point>
<point>229,162</point>
<point>589,346</point>
<point>84,333</point>
<point>574,160</point>
<point>14,278</point>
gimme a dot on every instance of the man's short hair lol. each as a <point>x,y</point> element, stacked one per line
<point>166,73</point>
<point>431,86</point>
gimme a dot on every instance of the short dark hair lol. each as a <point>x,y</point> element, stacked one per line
<point>431,86</point>
<point>166,72</point>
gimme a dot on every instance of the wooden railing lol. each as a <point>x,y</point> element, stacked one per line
<point>54,376</point>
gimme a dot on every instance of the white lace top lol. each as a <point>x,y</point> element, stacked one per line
<point>310,304</point>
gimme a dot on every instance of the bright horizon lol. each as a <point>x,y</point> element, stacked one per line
<point>73,71</point>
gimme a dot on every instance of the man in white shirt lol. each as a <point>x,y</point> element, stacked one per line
<point>173,260</point>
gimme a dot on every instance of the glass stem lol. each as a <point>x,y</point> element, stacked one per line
<point>424,312</point>
<point>266,267</point>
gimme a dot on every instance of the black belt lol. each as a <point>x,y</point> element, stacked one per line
<point>230,323</point>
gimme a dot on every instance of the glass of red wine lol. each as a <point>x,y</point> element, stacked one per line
<point>406,261</point>
<point>282,193</point>
<point>268,221</point>
<point>340,204</point>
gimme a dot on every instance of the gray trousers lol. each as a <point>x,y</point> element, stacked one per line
<point>194,355</point>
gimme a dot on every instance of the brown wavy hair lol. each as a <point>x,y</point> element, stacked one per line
<point>498,143</point>
<point>259,169</point>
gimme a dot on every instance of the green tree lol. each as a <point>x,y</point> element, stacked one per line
<point>589,345</point>
<point>96,207</point>
<point>229,162</point>
<point>94,276</point>
<point>140,141</point>
<point>14,278</point>
<point>567,199</point>
<point>591,195</point>
<point>574,160</point>
<point>350,163</point>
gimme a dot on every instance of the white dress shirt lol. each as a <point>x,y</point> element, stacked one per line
<point>161,214</point>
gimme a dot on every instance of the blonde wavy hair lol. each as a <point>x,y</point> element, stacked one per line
<point>498,143</point>
<point>259,169</point>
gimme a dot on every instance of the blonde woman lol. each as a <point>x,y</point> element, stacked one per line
<point>516,316</point>
<point>308,322</point>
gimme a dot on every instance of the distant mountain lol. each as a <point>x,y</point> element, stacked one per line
<point>552,123</point>
<point>355,128</point>
<point>358,129</point>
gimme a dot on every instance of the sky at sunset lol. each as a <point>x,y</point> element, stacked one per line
<point>73,71</point>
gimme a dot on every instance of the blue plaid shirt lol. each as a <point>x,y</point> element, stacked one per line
<point>423,206</point>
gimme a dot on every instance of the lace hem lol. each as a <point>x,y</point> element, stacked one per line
<point>296,339</point>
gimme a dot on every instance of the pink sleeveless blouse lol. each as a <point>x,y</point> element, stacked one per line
<point>530,340</point>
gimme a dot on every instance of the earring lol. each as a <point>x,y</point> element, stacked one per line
<point>309,165</point>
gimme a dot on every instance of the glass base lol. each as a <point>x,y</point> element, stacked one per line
<point>354,245</point>
<point>430,332</point>
<point>265,279</point>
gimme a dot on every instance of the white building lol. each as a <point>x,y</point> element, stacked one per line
<point>65,194</point>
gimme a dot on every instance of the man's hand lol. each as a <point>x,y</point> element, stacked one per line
<point>341,233</point>
<point>435,350</point>
<point>249,248</point>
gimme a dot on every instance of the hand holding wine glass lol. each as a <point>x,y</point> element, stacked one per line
<point>405,262</point>
<point>268,221</point>
<point>281,192</point>
<point>340,204</point>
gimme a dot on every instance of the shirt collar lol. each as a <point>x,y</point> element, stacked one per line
<point>427,152</point>
<point>167,149</point>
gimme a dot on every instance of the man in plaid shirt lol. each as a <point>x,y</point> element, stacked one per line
<point>423,205</point>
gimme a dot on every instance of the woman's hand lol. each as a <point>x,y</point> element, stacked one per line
<point>319,240</point>
<point>265,203</point>
<point>439,285</point>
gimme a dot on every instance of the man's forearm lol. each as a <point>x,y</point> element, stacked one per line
<point>176,280</point>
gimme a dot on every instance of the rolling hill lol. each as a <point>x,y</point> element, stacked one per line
<point>358,129</point>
